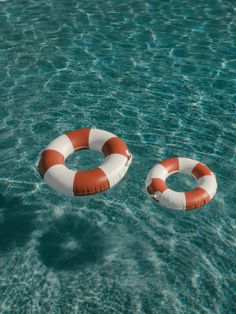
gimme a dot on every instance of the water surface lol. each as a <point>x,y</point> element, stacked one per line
<point>159,74</point>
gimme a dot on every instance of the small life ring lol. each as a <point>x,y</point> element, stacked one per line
<point>159,190</point>
<point>85,182</point>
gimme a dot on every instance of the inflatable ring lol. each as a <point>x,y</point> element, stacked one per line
<point>202,194</point>
<point>52,163</point>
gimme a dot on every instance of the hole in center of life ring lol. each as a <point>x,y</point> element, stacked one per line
<point>84,159</point>
<point>181,182</point>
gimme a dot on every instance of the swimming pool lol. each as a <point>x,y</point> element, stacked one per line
<point>158,74</point>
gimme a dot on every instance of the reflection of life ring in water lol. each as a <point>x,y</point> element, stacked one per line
<point>52,163</point>
<point>159,190</point>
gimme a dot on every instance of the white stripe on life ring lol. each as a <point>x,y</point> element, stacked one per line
<point>186,165</point>
<point>173,199</point>
<point>209,184</point>
<point>61,179</point>
<point>97,138</point>
<point>61,144</point>
<point>158,172</point>
<point>114,168</point>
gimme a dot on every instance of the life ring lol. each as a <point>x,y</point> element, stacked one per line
<point>159,190</point>
<point>66,181</point>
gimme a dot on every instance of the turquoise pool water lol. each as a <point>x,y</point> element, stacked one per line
<point>159,74</point>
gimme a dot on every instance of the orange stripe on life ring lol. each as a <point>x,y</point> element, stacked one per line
<point>90,182</point>
<point>196,198</point>
<point>48,159</point>
<point>79,138</point>
<point>200,170</point>
<point>157,185</point>
<point>114,146</point>
<point>171,164</point>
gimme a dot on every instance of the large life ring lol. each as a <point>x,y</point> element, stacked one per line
<point>69,182</point>
<point>159,190</point>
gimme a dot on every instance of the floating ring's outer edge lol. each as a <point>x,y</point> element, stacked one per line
<point>159,190</point>
<point>80,183</point>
